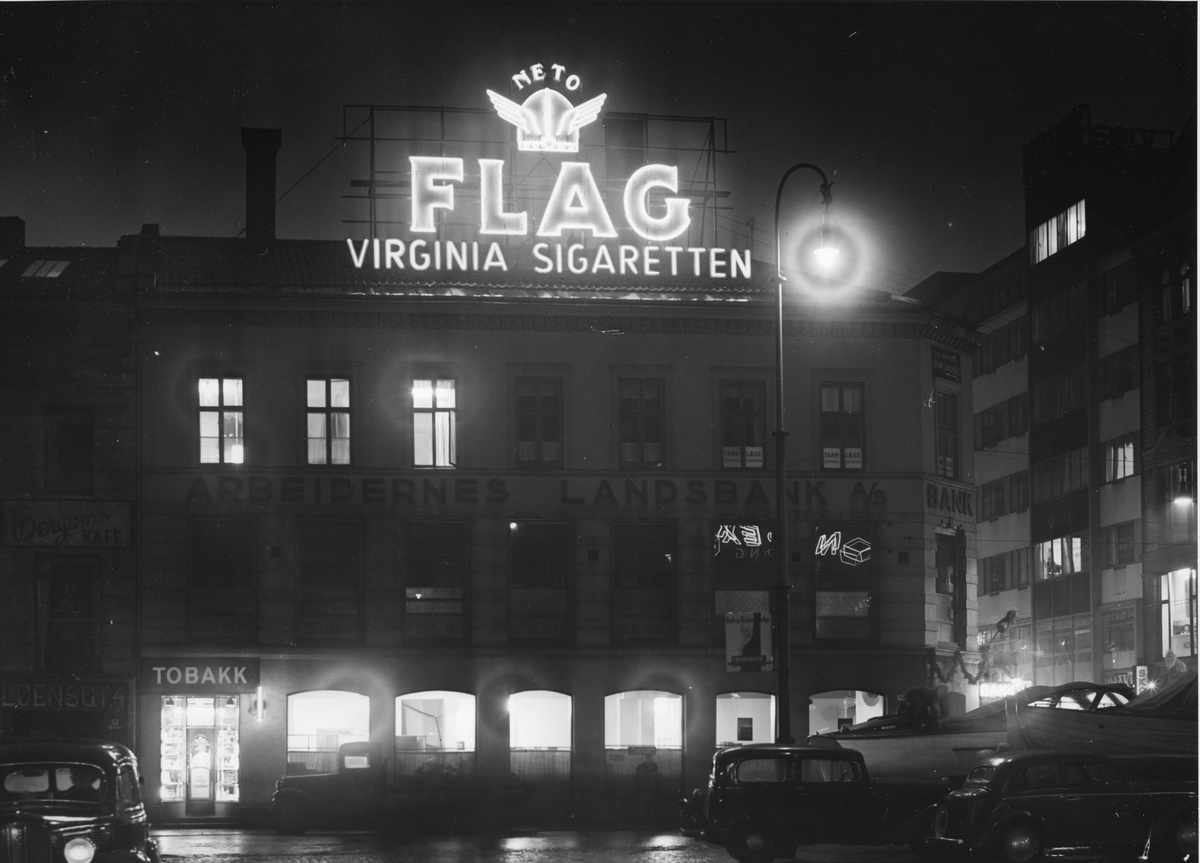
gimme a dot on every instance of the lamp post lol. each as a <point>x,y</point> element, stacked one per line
<point>783,720</point>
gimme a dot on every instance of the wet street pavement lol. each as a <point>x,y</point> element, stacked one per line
<point>242,846</point>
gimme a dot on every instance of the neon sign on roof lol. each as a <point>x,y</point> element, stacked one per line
<point>548,122</point>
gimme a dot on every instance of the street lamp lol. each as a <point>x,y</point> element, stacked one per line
<point>825,255</point>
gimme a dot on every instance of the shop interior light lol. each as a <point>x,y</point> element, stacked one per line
<point>259,705</point>
<point>1183,496</point>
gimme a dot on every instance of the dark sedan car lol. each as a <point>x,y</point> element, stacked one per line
<point>1030,804</point>
<point>72,802</point>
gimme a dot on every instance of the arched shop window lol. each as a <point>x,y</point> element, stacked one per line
<point>836,709</point>
<point>745,717</point>
<point>643,742</point>
<point>320,721</point>
<point>435,731</point>
<point>539,736</point>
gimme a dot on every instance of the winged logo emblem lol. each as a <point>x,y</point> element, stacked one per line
<point>547,121</point>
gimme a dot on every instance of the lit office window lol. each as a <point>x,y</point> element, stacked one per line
<point>1058,232</point>
<point>435,433</point>
<point>222,432</point>
<point>328,420</point>
<point>1178,593</point>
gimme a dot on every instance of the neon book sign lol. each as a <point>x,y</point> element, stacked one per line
<point>548,122</point>
<point>852,552</point>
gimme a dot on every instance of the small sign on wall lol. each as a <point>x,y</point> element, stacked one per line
<point>748,641</point>
<point>945,365</point>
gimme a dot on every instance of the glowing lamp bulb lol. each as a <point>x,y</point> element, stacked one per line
<point>827,255</point>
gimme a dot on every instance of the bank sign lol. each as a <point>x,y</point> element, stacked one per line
<point>547,121</point>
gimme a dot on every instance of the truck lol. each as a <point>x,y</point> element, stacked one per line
<point>359,793</point>
<point>764,800</point>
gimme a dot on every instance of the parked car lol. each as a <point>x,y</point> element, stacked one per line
<point>1026,804</point>
<point>764,800</point>
<point>72,801</point>
<point>359,792</point>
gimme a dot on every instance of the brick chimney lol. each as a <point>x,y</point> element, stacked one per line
<point>12,235</point>
<point>261,146</point>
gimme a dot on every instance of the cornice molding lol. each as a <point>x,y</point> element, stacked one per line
<point>604,324</point>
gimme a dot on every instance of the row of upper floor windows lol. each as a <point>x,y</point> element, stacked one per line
<point>434,405</point>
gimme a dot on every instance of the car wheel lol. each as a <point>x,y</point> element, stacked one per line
<point>289,817</point>
<point>1178,842</point>
<point>753,840</point>
<point>1021,843</point>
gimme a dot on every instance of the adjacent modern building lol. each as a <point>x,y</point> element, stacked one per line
<point>1085,413</point>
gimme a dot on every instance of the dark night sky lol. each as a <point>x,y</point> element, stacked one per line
<point>118,114</point>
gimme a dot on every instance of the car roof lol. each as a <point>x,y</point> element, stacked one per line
<point>100,752</point>
<point>1028,756</point>
<point>786,749</point>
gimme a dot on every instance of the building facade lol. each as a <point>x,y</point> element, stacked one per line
<point>1085,413</point>
<point>508,520</point>
<point>68,472</point>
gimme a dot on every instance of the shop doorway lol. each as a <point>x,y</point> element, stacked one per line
<point>200,753</point>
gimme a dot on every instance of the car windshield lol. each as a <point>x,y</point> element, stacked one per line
<point>980,776</point>
<point>78,782</point>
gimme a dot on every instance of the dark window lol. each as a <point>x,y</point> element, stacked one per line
<point>743,423</point>
<point>435,580</point>
<point>222,594</point>
<point>222,428</point>
<point>1120,372</point>
<point>945,564</point>
<point>1177,299</point>
<point>1175,387</point>
<point>1059,476</point>
<point>541,555</point>
<point>1119,544</point>
<point>68,614</point>
<point>842,426</point>
<point>1060,394</point>
<point>643,582</point>
<point>328,420</point>
<point>1008,419</point>
<point>328,581</point>
<point>540,581</point>
<point>69,443</point>
<point>1119,288</point>
<point>844,565</point>
<point>946,406</point>
<point>1009,342</point>
<point>539,422</point>
<point>998,297</point>
<point>642,418</point>
<point>1062,312</point>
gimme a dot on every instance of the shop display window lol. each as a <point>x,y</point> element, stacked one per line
<point>199,750</point>
<point>320,721</point>
<point>745,717</point>
<point>539,735</point>
<point>435,731</point>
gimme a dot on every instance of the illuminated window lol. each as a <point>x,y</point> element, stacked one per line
<point>222,435</point>
<point>1120,546</point>
<point>946,435</point>
<point>539,422</point>
<point>1055,234</point>
<point>1119,461</point>
<point>642,420</point>
<point>743,424</point>
<point>842,429</point>
<point>435,580</point>
<point>328,420</point>
<point>1178,595</point>
<point>1064,555</point>
<point>435,411</point>
<point>320,721</point>
<point>69,444</point>
<point>435,731</point>
<point>643,582</point>
<point>834,710</point>
<point>744,718</point>
<point>645,720</point>
<point>539,737</point>
<point>45,269</point>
